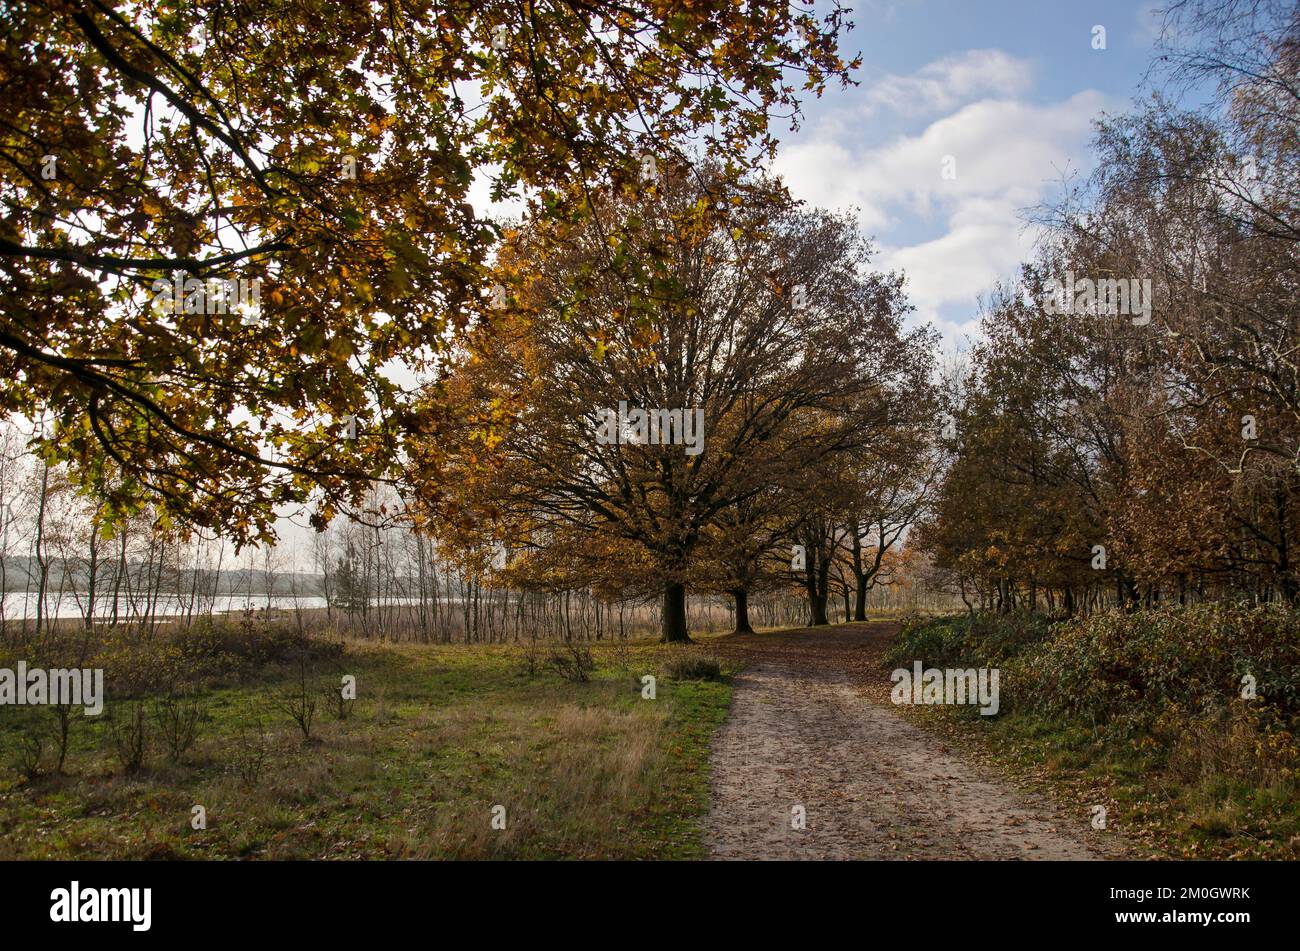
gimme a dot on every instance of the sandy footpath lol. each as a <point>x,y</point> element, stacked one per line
<point>803,733</point>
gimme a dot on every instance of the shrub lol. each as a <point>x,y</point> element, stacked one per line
<point>1166,680</point>
<point>177,719</point>
<point>298,700</point>
<point>129,730</point>
<point>207,652</point>
<point>531,659</point>
<point>574,663</point>
<point>963,640</point>
<point>63,718</point>
<point>1144,674</point>
<point>689,667</point>
<point>30,739</point>
<point>28,753</point>
<point>250,755</point>
<point>336,703</point>
<point>1242,742</point>
<point>136,666</point>
<point>46,728</point>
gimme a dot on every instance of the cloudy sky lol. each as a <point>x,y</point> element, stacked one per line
<point>1008,90</point>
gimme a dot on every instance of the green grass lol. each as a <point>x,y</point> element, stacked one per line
<point>438,737</point>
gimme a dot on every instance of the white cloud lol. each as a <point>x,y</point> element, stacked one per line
<point>986,240</point>
<point>954,238</point>
<point>947,83</point>
<point>1003,149</point>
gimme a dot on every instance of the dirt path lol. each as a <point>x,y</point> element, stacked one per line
<point>811,727</point>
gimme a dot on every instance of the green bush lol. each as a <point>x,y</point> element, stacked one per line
<point>26,740</point>
<point>1168,681</point>
<point>963,640</point>
<point>688,667</point>
<point>1130,670</point>
<point>128,727</point>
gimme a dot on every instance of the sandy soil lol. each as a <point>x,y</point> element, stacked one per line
<point>811,726</point>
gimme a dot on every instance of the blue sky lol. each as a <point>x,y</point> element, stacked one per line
<point>1008,90</point>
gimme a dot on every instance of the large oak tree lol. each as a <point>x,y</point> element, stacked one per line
<point>704,293</point>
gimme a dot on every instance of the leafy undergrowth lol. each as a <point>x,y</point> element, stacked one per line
<point>438,736</point>
<point>1143,714</point>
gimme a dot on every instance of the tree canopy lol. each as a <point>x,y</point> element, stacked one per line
<point>323,155</point>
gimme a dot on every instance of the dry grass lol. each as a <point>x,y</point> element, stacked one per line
<point>439,736</point>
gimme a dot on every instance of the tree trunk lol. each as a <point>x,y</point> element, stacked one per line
<point>817,583</point>
<point>742,611</point>
<point>42,566</point>
<point>822,592</point>
<point>860,605</point>
<point>674,620</point>
<point>818,603</point>
<point>91,590</point>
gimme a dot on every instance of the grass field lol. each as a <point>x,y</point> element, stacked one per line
<point>438,736</point>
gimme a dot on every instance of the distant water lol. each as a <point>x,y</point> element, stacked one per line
<point>22,604</point>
